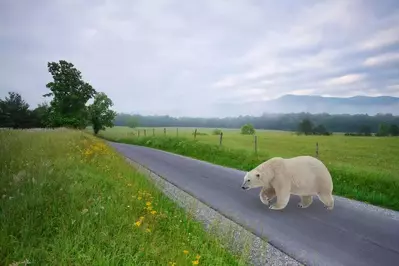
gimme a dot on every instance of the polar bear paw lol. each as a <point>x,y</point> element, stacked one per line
<point>274,207</point>
<point>265,201</point>
<point>302,206</point>
<point>329,208</point>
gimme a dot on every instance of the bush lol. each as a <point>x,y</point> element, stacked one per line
<point>248,129</point>
<point>216,131</point>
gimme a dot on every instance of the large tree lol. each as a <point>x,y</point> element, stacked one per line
<point>14,111</point>
<point>100,114</point>
<point>70,95</point>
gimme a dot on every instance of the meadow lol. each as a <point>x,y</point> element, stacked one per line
<point>67,198</point>
<point>363,168</point>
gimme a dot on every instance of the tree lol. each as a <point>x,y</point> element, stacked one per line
<point>383,130</point>
<point>41,115</point>
<point>132,121</point>
<point>14,111</point>
<point>305,126</point>
<point>100,114</point>
<point>394,130</point>
<point>248,129</point>
<point>71,93</point>
<point>320,130</point>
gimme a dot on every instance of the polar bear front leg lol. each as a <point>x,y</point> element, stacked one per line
<point>266,195</point>
<point>283,196</point>
<point>305,201</point>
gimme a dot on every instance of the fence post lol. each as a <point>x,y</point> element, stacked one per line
<point>145,132</point>
<point>317,150</point>
<point>138,133</point>
<point>177,132</point>
<point>164,131</point>
<point>153,131</point>
<point>256,144</point>
<point>195,133</point>
<point>220,138</point>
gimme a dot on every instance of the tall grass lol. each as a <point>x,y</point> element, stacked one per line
<point>68,199</point>
<point>378,188</point>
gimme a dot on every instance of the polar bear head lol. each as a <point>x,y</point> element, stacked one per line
<point>262,175</point>
<point>252,180</point>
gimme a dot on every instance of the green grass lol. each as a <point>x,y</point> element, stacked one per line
<point>69,199</point>
<point>363,168</point>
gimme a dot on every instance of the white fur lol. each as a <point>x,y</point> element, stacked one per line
<point>304,176</point>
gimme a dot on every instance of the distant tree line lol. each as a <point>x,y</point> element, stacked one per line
<point>315,124</point>
<point>67,108</point>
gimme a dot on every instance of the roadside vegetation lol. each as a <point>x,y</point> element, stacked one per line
<point>363,168</point>
<point>68,199</point>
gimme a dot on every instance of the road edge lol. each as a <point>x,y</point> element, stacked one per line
<point>260,251</point>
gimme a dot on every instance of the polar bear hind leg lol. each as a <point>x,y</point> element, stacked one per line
<point>327,200</point>
<point>305,201</point>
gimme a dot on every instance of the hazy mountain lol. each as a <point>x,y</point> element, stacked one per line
<point>332,105</point>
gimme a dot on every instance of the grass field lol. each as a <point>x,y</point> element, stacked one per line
<point>68,199</point>
<point>363,168</point>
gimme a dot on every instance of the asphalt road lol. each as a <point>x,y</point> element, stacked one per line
<point>352,234</point>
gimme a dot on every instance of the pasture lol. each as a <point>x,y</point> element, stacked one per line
<point>363,168</point>
<point>377,154</point>
<point>67,198</point>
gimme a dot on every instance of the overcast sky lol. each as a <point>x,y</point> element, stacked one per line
<point>193,57</point>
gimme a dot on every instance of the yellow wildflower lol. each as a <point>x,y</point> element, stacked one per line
<point>153,212</point>
<point>185,251</point>
<point>138,223</point>
<point>198,257</point>
<point>148,203</point>
<point>195,262</point>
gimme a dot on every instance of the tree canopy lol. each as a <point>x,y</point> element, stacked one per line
<point>100,114</point>
<point>70,95</point>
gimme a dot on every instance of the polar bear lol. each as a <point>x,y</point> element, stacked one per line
<point>304,176</point>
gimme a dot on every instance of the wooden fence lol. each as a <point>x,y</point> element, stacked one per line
<point>220,138</point>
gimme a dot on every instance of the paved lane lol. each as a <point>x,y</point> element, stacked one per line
<point>352,234</point>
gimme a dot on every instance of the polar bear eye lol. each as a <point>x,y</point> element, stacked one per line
<point>257,175</point>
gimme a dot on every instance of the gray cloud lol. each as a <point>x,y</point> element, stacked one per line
<point>197,58</point>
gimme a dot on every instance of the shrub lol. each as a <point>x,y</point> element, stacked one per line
<point>248,129</point>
